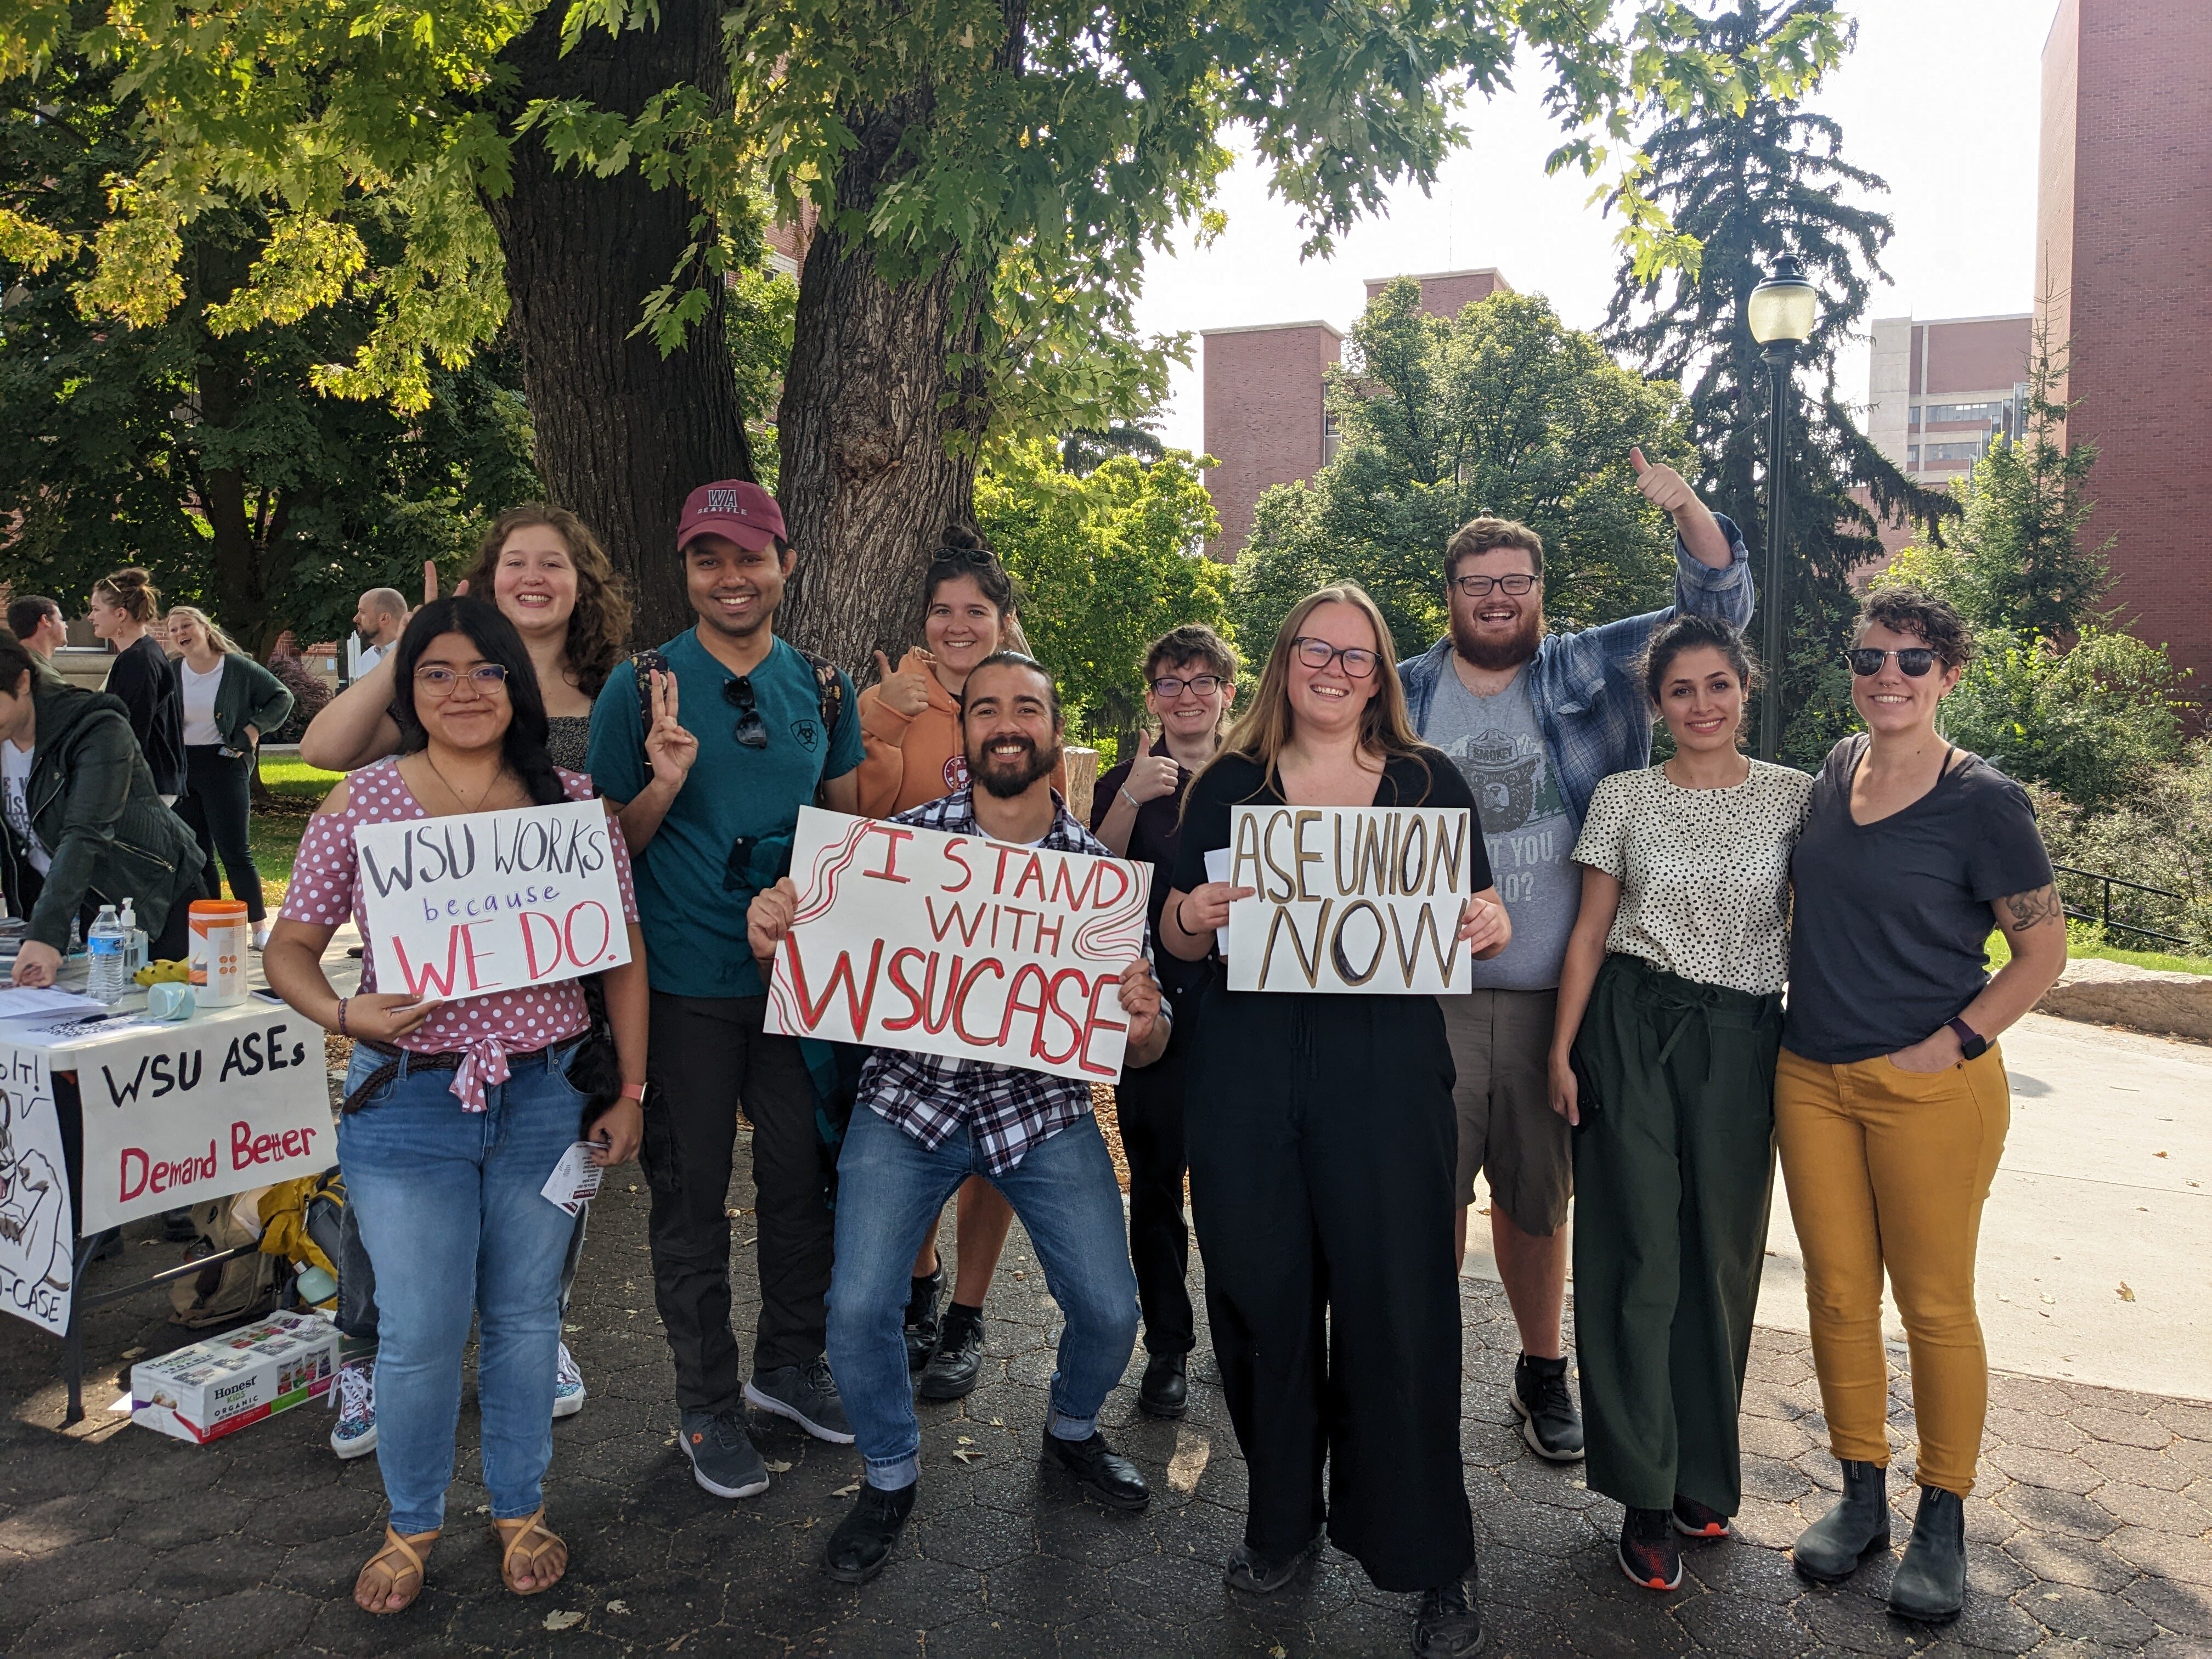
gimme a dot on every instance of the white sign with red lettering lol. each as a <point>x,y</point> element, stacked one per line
<point>485,901</point>
<point>958,945</point>
<point>200,1111</point>
<point>38,1240</point>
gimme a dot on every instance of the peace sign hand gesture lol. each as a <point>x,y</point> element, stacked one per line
<point>670,748</point>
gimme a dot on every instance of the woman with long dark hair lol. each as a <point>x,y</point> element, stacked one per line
<point>1321,1136</point>
<point>457,1112</point>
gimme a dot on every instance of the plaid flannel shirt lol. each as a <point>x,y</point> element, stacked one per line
<point>931,1096</point>
<point>1590,703</point>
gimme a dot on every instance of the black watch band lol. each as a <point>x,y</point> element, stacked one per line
<point>1973,1045</point>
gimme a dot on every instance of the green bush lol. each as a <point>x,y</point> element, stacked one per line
<point>2160,836</point>
<point>2095,722</point>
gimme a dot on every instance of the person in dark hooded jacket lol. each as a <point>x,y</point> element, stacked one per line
<point>81,823</point>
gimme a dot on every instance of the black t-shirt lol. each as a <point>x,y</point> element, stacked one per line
<point>1427,779</point>
<point>1158,833</point>
<point>142,678</point>
<point>1891,934</point>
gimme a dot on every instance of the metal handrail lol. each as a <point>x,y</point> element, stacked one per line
<point>2103,919</point>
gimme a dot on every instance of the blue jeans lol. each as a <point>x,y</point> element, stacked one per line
<point>453,1217</point>
<point>890,1190</point>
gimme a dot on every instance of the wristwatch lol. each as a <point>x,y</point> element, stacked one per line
<point>636,1091</point>
<point>1973,1045</point>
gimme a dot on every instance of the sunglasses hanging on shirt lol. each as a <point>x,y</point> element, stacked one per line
<point>752,729</point>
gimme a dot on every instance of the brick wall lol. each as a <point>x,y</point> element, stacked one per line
<point>1263,416</point>
<point>1443,293</point>
<point>2126,230</point>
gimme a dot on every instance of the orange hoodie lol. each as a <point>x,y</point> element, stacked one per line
<point>911,762</point>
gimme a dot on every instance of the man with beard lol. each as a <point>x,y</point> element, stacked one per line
<point>708,812</point>
<point>1535,720</point>
<point>924,1123</point>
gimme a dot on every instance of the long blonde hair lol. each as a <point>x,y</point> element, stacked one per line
<point>1264,730</point>
<point>220,640</point>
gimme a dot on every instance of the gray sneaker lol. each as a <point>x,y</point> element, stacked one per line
<point>723,1460</point>
<point>805,1395</point>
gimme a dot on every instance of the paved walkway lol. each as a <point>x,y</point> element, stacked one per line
<point>2091,1530</point>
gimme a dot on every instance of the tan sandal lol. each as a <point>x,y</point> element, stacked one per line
<point>400,1561</point>
<point>530,1538</point>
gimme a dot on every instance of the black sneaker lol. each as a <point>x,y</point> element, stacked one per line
<point>1648,1553</point>
<point>1694,1520</point>
<point>1448,1625</point>
<point>723,1460</point>
<point>1166,1392</point>
<point>921,1319</point>
<point>1549,1422</point>
<point>807,1395</point>
<point>863,1540</point>
<point>955,1367</point>
<point>1117,1482</point>
<point>1260,1574</point>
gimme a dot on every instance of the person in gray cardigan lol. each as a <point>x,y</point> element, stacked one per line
<point>81,823</point>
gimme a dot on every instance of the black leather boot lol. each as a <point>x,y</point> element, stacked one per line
<point>1831,1548</point>
<point>1166,1392</point>
<point>921,1323</point>
<point>1931,1584</point>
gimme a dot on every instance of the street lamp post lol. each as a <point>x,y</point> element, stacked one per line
<point>1781,313</point>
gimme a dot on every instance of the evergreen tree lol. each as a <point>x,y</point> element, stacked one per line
<point>1752,186</point>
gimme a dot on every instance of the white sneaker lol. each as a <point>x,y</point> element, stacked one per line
<point>354,1432</point>
<point>261,936</point>
<point>568,1385</point>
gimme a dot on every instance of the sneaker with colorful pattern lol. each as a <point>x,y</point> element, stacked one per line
<point>353,1435</point>
<point>568,1385</point>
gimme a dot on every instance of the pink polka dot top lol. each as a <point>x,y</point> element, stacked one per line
<point>325,892</point>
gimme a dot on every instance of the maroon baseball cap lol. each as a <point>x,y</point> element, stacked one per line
<point>745,513</point>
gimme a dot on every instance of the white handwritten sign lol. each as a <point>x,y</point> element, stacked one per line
<point>195,1112</point>
<point>485,901</point>
<point>38,1239</point>
<point>1355,899</point>
<point>958,945</point>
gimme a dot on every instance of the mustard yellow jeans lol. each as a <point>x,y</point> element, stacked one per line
<point>1888,1168</point>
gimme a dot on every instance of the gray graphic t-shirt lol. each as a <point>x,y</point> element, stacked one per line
<point>1499,749</point>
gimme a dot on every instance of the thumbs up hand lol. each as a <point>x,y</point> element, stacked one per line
<point>1663,487</point>
<point>904,692</point>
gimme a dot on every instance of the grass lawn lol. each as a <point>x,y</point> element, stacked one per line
<point>2085,938</point>
<point>297,789</point>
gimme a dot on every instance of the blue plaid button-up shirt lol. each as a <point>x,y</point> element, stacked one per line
<point>930,1096</point>
<point>1589,702</point>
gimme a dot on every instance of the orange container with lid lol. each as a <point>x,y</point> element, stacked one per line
<point>220,938</point>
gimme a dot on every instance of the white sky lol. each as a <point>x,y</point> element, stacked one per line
<point>1940,99</point>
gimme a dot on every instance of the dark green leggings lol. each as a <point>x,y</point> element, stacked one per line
<point>1673,1171</point>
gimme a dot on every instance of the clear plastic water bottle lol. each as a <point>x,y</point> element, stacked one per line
<point>107,946</point>
<point>134,944</point>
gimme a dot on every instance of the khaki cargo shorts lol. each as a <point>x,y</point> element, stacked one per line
<point>1501,1043</point>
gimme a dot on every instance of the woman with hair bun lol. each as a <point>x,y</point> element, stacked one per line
<point>124,608</point>
<point>1663,1059</point>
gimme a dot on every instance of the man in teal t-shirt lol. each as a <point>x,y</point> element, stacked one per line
<point>711,789</point>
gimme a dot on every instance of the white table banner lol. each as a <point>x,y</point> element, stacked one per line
<point>958,945</point>
<point>483,902</point>
<point>1349,899</point>
<point>38,1240</point>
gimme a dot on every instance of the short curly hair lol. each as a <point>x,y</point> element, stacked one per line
<point>1904,609</point>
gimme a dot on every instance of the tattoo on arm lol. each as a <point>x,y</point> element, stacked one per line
<point>2033,908</point>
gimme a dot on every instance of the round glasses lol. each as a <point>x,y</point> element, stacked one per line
<point>1169,687</point>
<point>1317,654</point>
<point>440,683</point>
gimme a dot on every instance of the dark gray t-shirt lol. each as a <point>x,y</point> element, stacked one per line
<point>1893,917</point>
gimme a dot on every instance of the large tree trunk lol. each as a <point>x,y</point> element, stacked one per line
<point>623,434</point>
<point>878,438</point>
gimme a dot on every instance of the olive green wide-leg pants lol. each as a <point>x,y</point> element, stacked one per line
<point>1674,1172</point>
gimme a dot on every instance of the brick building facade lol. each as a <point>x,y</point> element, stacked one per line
<point>2123,252</point>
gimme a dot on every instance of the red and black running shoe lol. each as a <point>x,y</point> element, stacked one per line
<point>1648,1552</point>
<point>1693,1520</point>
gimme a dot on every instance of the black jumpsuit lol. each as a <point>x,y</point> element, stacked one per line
<point>1322,1140</point>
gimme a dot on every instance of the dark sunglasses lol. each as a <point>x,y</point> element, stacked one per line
<point>752,729</point>
<point>1912,662</point>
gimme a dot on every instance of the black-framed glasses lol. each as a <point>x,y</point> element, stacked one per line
<point>1912,661</point>
<point>1169,687</point>
<point>752,729</point>
<point>1477,587</point>
<point>1317,654</point>
<point>439,683</point>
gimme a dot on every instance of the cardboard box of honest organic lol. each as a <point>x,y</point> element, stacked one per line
<point>219,1386</point>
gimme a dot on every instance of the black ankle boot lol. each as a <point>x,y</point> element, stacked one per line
<point>862,1543</point>
<point>1831,1548</point>
<point>1931,1584</point>
<point>921,1322</point>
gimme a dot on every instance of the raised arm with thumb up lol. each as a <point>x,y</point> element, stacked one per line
<point>905,692</point>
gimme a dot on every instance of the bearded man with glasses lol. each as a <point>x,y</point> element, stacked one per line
<point>1535,720</point>
<point>709,802</point>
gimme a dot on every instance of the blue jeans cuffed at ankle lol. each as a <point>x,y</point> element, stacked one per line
<point>453,1217</point>
<point>889,1191</point>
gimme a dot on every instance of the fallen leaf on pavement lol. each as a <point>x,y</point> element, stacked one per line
<point>563,1620</point>
<point>2126,1295</point>
<point>774,1467</point>
<point>846,1491</point>
<point>618,1607</point>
